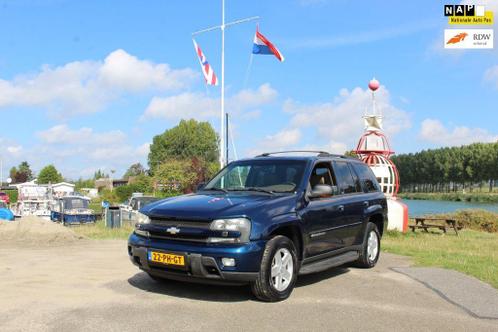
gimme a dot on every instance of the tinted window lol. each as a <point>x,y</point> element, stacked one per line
<point>367,177</point>
<point>344,178</point>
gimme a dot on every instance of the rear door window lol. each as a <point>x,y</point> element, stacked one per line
<point>344,178</point>
<point>367,177</point>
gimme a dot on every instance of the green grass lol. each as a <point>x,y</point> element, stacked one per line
<point>478,197</point>
<point>98,231</point>
<point>473,253</point>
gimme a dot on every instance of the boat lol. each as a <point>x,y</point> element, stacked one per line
<point>72,209</point>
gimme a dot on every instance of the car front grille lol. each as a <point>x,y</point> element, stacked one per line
<point>179,230</point>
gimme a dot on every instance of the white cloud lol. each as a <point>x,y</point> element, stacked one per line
<point>337,120</point>
<point>200,106</point>
<point>127,72</point>
<point>82,87</point>
<point>434,131</point>
<point>14,149</point>
<point>62,134</point>
<point>77,152</point>
<point>333,126</point>
<point>282,139</point>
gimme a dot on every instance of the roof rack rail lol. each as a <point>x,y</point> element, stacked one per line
<point>318,153</point>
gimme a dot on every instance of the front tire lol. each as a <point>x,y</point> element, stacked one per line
<point>278,270</point>
<point>370,251</point>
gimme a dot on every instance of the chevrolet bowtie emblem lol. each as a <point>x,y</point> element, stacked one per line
<point>173,230</point>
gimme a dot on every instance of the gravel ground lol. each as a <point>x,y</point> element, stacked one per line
<point>92,286</point>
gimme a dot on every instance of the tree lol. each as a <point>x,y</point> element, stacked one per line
<point>183,176</point>
<point>187,140</point>
<point>134,170</point>
<point>99,175</point>
<point>49,174</point>
<point>21,173</point>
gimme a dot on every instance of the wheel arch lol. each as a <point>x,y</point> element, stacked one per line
<point>293,232</point>
<point>378,220</point>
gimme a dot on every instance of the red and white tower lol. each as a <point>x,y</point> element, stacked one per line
<point>374,149</point>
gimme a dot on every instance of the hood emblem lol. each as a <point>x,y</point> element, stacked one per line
<point>173,230</point>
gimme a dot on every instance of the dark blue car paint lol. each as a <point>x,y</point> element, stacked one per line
<point>323,227</point>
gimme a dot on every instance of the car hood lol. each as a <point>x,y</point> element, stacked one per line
<point>208,207</point>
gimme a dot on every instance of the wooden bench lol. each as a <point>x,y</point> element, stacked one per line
<point>440,223</point>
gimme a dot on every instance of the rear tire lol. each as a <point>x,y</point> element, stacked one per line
<point>370,250</point>
<point>278,270</point>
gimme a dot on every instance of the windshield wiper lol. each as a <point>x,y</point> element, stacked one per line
<point>261,190</point>
<point>215,189</point>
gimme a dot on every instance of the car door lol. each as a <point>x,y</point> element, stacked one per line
<point>322,216</point>
<point>353,200</point>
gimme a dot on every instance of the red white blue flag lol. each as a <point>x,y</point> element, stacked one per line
<point>264,46</point>
<point>207,70</point>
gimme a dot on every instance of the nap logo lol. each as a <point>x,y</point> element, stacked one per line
<point>459,10</point>
<point>468,15</point>
<point>468,38</point>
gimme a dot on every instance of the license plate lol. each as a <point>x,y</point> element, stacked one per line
<point>167,259</point>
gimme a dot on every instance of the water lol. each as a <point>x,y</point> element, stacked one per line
<point>421,207</point>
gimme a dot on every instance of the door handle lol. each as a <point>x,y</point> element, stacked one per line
<point>366,204</point>
<point>340,208</point>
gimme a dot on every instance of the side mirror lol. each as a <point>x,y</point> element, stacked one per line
<point>321,190</point>
<point>200,186</point>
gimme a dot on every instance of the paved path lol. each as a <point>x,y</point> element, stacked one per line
<point>93,287</point>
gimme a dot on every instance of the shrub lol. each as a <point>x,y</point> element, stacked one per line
<point>480,220</point>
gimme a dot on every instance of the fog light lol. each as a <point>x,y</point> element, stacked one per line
<point>228,261</point>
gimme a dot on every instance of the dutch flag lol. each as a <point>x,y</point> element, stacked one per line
<point>264,46</point>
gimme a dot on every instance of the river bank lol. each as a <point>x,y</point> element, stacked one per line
<point>476,197</point>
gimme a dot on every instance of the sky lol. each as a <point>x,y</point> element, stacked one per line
<point>86,85</point>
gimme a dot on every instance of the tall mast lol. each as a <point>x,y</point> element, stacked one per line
<point>222,115</point>
<point>223,140</point>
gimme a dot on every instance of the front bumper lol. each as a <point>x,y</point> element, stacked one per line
<point>202,261</point>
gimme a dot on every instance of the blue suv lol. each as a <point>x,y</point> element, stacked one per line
<point>262,221</point>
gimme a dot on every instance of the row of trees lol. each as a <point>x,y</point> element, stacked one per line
<point>449,169</point>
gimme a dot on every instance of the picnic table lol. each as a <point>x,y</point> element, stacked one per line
<point>441,223</point>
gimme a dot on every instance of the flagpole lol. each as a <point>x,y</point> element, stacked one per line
<point>222,116</point>
<point>223,141</point>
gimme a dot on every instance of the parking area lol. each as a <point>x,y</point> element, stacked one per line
<point>91,286</point>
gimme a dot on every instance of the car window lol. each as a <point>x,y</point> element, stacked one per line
<point>321,174</point>
<point>344,177</point>
<point>367,177</point>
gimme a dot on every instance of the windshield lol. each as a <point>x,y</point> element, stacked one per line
<point>265,175</point>
<point>75,203</point>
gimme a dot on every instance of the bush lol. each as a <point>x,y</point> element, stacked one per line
<point>12,195</point>
<point>480,220</point>
<point>108,195</point>
<point>124,192</point>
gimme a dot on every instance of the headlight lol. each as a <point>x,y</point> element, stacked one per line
<point>242,225</point>
<point>142,218</point>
